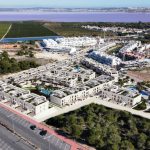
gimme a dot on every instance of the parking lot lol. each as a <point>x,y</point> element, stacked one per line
<point>11,141</point>
<point>23,128</point>
<point>4,145</point>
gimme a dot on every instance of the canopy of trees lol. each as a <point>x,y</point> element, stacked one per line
<point>25,53</point>
<point>10,65</point>
<point>104,128</point>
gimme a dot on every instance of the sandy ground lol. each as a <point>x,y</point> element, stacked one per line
<point>50,55</point>
<point>3,77</point>
<point>142,75</point>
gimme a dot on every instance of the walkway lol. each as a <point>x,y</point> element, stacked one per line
<point>58,111</point>
<point>116,106</point>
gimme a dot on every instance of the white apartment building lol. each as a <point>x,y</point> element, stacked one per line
<point>22,99</point>
<point>69,44</point>
<point>66,69</point>
<point>73,82</point>
<point>53,46</point>
<point>69,96</point>
<point>83,74</point>
<point>121,96</point>
<point>100,68</point>
<point>59,79</point>
<point>104,58</point>
<point>130,46</point>
<point>77,41</point>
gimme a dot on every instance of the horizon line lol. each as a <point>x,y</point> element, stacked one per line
<point>73,7</point>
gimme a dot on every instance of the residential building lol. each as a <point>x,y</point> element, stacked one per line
<point>122,96</point>
<point>105,59</point>
<point>22,99</point>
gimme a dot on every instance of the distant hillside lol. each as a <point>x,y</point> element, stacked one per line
<point>44,9</point>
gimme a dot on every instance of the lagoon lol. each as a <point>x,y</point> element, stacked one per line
<point>75,16</point>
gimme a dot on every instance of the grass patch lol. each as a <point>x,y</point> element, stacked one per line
<point>115,49</point>
<point>29,29</point>
<point>30,88</point>
<point>3,28</point>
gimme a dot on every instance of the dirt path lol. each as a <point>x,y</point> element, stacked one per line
<point>6,33</point>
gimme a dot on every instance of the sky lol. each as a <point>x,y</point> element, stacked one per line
<point>74,3</point>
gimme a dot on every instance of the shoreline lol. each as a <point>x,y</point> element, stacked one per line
<point>68,12</point>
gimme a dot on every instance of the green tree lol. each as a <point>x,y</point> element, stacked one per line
<point>121,82</point>
<point>23,47</point>
<point>126,145</point>
<point>106,129</point>
<point>10,65</point>
<point>71,120</point>
<point>94,135</point>
<point>31,54</point>
<point>4,55</point>
<point>24,65</point>
<point>81,121</point>
<point>5,66</point>
<point>20,53</point>
<point>76,131</point>
<point>148,143</point>
<point>15,67</point>
<point>141,141</point>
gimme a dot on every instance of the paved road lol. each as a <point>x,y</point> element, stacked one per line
<point>58,111</point>
<point>22,127</point>
<point>10,141</point>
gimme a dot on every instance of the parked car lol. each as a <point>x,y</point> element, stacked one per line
<point>32,127</point>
